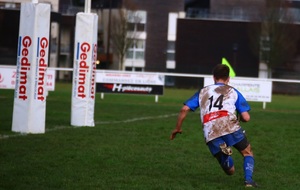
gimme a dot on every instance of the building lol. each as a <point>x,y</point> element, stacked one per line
<point>183,36</point>
<point>234,29</point>
<point>154,50</point>
<point>9,24</point>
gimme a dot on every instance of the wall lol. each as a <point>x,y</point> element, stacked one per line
<point>157,30</point>
<point>201,44</point>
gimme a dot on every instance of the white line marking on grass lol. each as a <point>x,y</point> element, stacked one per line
<point>137,119</point>
<point>101,122</point>
<point>24,134</point>
<point>11,136</point>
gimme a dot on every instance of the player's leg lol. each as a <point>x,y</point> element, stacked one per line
<point>244,148</point>
<point>225,160</point>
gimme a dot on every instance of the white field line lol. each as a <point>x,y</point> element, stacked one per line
<point>137,119</point>
<point>99,123</point>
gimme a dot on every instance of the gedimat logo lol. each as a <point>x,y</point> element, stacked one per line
<point>83,69</point>
<point>24,67</point>
<point>42,63</point>
<point>93,78</point>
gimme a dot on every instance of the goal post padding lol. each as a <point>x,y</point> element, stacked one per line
<point>85,57</point>
<point>29,107</point>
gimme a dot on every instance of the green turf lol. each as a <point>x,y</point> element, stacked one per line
<point>129,148</point>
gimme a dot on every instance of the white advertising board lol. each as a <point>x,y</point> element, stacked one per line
<point>128,82</point>
<point>252,90</point>
<point>8,78</point>
<point>130,78</point>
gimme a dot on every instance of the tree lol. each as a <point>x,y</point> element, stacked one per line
<point>122,35</point>
<point>277,37</point>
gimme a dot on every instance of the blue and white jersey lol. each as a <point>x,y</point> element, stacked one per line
<point>218,106</point>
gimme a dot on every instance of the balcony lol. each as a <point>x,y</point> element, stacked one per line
<point>240,14</point>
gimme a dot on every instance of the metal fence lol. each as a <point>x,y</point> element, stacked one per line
<point>279,85</point>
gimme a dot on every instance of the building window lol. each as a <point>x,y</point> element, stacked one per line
<point>136,21</point>
<point>137,50</point>
<point>131,26</point>
<point>171,56</point>
<point>140,27</point>
<point>136,27</point>
<point>171,51</point>
<point>139,69</point>
<point>136,30</point>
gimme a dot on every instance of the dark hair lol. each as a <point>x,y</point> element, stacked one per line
<point>221,71</point>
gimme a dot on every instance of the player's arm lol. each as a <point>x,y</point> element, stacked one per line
<point>181,116</point>
<point>245,116</point>
<point>242,107</point>
<point>191,104</point>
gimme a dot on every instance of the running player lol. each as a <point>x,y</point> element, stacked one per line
<point>222,107</point>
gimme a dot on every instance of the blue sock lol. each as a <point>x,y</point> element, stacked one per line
<point>248,167</point>
<point>227,162</point>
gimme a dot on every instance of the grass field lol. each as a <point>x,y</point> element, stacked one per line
<point>129,148</point>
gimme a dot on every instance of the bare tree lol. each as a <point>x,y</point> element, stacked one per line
<point>277,35</point>
<point>122,35</point>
